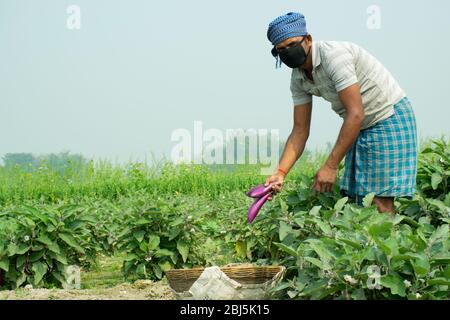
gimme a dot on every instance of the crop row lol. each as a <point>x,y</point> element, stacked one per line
<point>333,249</point>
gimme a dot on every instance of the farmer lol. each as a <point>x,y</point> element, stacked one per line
<point>378,134</point>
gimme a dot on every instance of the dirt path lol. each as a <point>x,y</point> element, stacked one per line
<point>140,290</point>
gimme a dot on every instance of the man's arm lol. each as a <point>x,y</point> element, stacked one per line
<point>295,144</point>
<point>352,100</point>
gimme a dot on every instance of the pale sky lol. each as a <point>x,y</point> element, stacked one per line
<point>137,70</point>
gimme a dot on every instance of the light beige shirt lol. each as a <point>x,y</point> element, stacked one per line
<point>338,65</point>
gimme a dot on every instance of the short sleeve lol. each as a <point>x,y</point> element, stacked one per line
<point>341,70</point>
<point>299,95</point>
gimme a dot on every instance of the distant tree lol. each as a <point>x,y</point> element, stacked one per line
<point>23,161</point>
<point>63,162</point>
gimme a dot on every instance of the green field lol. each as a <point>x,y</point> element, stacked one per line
<point>121,223</point>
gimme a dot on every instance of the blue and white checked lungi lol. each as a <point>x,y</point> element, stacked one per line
<point>383,160</point>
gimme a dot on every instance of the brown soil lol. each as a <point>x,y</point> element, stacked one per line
<point>140,290</point>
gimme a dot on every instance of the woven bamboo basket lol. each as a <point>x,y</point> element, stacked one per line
<point>252,280</point>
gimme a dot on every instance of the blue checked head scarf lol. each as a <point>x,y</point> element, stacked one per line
<point>290,25</point>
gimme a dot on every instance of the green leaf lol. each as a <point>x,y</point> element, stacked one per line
<point>389,246</point>
<point>427,150</point>
<point>29,223</point>
<point>411,222</point>
<point>43,238</point>
<point>71,241</point>
<point>325,227</point>
<point>157,270</point>
<point>286,249</point>
<point>143,246</point>
<point>52,245</point>
<point>447,200</point>
<point>37,247</point>
<point>421,266</point>
<point>354,244</point>
<point>34,212</point>
<point>282,286</point>
<point>140,270</point>
<point>142,221</point>
<point>446,272</point>
<point>35,256</point>
<point>395,283</point>
<point>61,258</point>
<point>398,218</point>
<point>165,265</point>
<point>21,279</point>
<point>163,253</point>
<point>317,263</point>
<point>436,179</point>
<point>90,219</point>
<point>241,248</point>
<point>284,206</point>
<point>19,250</point>
<point>20,262</point>
<point>368,199</point>
<point>316,286</point>
<point>124,233</point>
<point>74,225</point>
<point>439,282</point>
<point>130,257</point>
<point>139,235</point>
<point>285,229</point>
<point>58,276</point>
<point>177,222</point>
<point>128,267</point>
<point>441,234</point>
<point>358,294</point>
<point>183,249</point>
<point>382,229</point>
<point>12,248</point>
<point>439,204</point>
<point>4,264</point>
<point>301,283</point>
<point>300,221</point>
<point>54,248</point>
<point>441,258</point>
<point>321,251</point>
<point>153,242</point>
<point>315,211</point>
<point>343,225</point>
<point>39,270</point>
<point>340,204</point>
<point>174,232</point>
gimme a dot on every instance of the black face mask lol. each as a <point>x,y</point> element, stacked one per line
<point>294,56</point>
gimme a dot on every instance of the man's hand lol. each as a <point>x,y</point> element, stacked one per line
<point>325,179</point>
<point>277,180</point>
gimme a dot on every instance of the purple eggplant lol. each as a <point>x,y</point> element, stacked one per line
<point>259,191</point>
<point>256,207</point>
